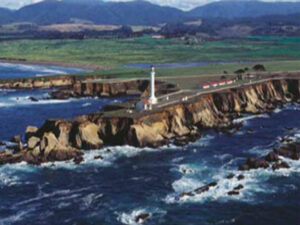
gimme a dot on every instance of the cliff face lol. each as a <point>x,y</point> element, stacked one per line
<point>41,82</point>
<point>154,128</point>
<point>109,89</point>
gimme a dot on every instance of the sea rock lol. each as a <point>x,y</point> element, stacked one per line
<point>230,176</point>
<point>254,164</point>
<point>49,143</point>
<point>18,141</point>
<point>99,157</point>
<point>289,128</point>
<point>291,151</point>
<point>30,131</point>
<point>241,177</point>
<point>78,159</point>
<point>142,218</point>
<point>186,194</point>
<point>33,99</point>
<point>33,142</point>
<point>239,187</point>
<point>272,157</point>
<point>87,137</point>
<point>286,140</point>
<point>231,193</point>
<point>62,94</point>
<point>8,157</point>
<point>205,188</point>
<point>280,165</point>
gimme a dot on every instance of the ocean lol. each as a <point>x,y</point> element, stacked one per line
<point>131,180</point>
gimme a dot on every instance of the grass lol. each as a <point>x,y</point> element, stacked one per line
<point>146,49</point>
<point>212,69</point>
<point>277,54</point>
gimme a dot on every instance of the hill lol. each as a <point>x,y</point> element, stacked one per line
<point>120,13</point>
<point>6,16</point>
<point>245,9</point>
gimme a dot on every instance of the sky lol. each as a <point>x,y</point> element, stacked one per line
<point>181,4</point>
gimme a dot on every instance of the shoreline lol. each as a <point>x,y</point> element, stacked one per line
<point>181,123</point>
<point>53,63</point>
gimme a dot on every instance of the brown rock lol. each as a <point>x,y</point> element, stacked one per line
<point>205,188</point>
<point>230,176</point>
<point>239,187</point>
<point>30,131</point>
<point>272,157</point>
<point>142,218</point>
<point>241,177</point>
<point>244,167</point>
<point>16,139</point>
<point>77,160</point>
<point>233,193</point>
<point>280,165</point>
<point>33,142</point>
<point>48,143</point>
<point>98,157</point>
<point>87,137</point>
<point>254,164</point>
<point>186,194</point>
<point>19,145</point>
<point>291,151</point>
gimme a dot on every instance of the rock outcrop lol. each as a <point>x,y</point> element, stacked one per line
<point>160,126</point>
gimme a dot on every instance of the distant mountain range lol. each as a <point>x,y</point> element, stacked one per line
<point>138,12</point>
<point>245,9</point>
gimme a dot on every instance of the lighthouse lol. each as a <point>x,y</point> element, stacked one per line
<point>152,98</point>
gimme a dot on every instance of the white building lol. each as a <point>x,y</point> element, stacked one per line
<point>146,104</point>
<point>152,98</point>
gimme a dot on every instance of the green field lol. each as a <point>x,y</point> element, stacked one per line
<point>278,53</point>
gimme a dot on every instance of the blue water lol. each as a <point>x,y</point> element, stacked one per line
<point>9,70</point>
<point>184,64</point>
<point>130,181</point>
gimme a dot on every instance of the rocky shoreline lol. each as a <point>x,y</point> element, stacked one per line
<point>180,123</point>
<point>274,160</point>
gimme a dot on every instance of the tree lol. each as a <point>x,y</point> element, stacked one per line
<point>259,68</point>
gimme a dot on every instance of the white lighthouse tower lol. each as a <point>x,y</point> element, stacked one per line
<point>152,98</point>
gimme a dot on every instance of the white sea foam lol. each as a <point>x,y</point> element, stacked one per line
<point>255,181</point>
<point>203,141</point>
<point>277,110</point>
<point>109,155</point>
<point>129,218</point>
<point>24,100</point>
<point>245,119</point>
<point>41,69</point>
<point>260,150</point>
<point>86,104</point>
<point>19,216</point>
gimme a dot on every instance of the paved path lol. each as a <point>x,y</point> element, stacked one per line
<point>177,97</point>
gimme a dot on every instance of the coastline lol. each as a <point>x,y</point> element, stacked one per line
<point>53,63</point>
<point>179,123</point>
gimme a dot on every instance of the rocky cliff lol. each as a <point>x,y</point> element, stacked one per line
<point>178,122</point>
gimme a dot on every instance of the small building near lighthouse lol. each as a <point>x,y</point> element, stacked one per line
<point>146,104</point>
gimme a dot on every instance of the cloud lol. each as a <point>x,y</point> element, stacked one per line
<point>15,4</point>
<point>182,4</point>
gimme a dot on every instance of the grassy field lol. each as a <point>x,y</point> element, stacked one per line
<point>278,53</point>
<point>208,70</point>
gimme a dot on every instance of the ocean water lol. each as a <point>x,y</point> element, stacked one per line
<point>185,64</point>
<point>10,70</point>
<point>130,180</point>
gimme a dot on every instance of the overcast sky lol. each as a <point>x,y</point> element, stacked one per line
<point>182,4</point>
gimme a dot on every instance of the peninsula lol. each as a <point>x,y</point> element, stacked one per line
<point>177,115</point>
